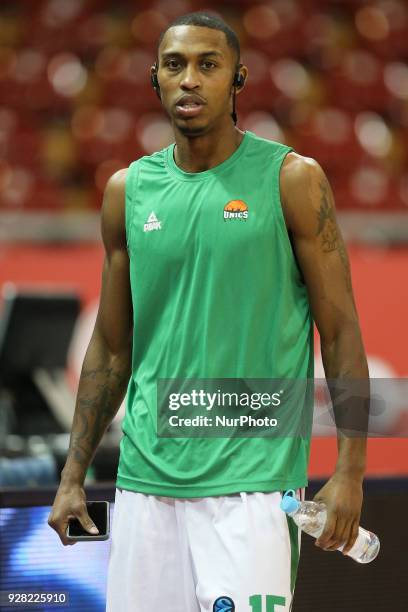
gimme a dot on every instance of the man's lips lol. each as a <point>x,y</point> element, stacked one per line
<point>189,110</point>
<point>189,105</point>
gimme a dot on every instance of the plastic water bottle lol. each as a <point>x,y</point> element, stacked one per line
<point>310,517</point>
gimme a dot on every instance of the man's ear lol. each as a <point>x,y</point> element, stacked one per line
<point>243,72</point>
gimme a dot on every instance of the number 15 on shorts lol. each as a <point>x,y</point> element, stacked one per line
<point>273,603</point>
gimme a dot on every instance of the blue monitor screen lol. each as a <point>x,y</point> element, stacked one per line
<point>33,559</point>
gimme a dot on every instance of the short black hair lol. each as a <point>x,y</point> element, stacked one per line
<point>206,20</point>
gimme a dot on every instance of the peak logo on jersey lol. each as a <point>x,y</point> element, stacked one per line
<point>236,209</point>
<point>152,223</point>
<point>223,604</point>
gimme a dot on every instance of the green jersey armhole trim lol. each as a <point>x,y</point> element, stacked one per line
<point>130,182</point>
<point>278,207</point>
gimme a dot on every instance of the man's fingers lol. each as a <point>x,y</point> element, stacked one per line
<point>60,526</point>
<point>86,521</point>
<point>66,541</point>
<point>352,537</point>
<point>338,532</point>
<point>346,534</point>
<point>328,531</point>
<point>340,535</point>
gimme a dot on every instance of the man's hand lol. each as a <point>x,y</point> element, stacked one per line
<point>343,496</point>
<point>70,503</point>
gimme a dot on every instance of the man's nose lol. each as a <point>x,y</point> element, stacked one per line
<point>190,78</point>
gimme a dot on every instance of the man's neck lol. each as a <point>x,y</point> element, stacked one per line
<point>207,151</point>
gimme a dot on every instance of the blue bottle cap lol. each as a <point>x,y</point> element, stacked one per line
<point>289,502</point>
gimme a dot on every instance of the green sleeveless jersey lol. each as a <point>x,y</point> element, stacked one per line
<point>216,293</point>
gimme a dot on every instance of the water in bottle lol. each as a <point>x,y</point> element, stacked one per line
<point>310,517</point>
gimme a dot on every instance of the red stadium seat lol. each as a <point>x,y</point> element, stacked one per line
<point>358,83</point>
<point>313,68</point>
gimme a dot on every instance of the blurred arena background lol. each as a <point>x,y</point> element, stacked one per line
<point>329,78</point>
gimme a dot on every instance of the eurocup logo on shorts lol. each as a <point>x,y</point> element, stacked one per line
<point>236,209</point>
<point>223,604</point>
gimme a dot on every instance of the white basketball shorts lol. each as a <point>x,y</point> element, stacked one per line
<point>207,554</point>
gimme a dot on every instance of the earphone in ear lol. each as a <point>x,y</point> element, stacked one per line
<point>155,81</point>
<point>239,80</point>
<point>237,83</point>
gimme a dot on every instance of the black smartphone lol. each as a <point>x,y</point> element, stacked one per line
<point>99,513</point>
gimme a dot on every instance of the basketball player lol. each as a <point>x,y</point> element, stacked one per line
<point>221,250</point>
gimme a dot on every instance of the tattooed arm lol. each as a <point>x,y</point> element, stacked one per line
<point>309,211</point>
<point>107,364</point>
<point>106,368</point>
